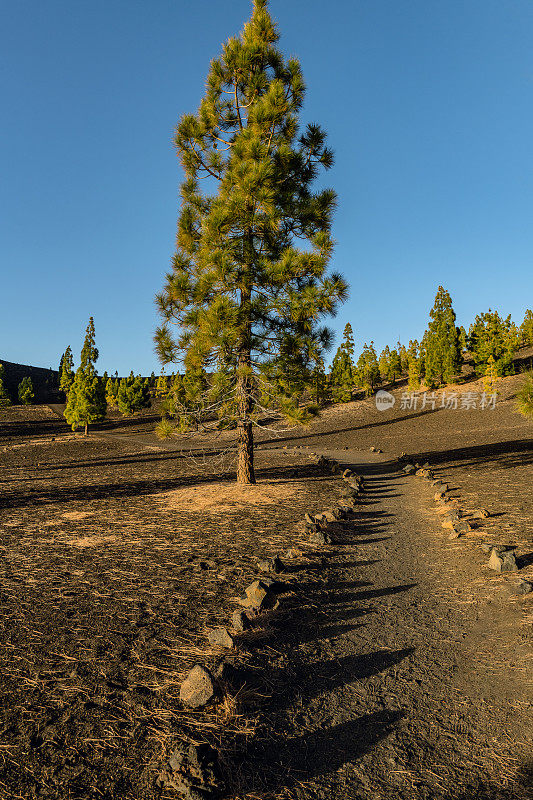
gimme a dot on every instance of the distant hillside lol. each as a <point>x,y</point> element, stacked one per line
<point>44,382</point>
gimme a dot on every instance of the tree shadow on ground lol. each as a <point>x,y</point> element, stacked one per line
<point>518,452</point>
<point>135,488</point>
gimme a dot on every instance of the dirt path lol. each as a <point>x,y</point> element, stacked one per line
<point>406,676</point>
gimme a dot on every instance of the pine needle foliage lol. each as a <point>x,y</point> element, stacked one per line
<point>248,284</point>
<point>86,402</point>
<point>342,377</point>
<point>66,376</point>
<point>368,369</point>
<point>526,329</point>
<point>442,346</point>
<point>25,391</point>
<point>493,336</point>
<point>524,397</point>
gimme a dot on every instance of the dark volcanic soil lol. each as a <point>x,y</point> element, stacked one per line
<point>398,665</point>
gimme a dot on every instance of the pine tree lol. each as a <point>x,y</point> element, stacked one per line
<point>524,398</point>
<point>368,368</point>
<point>413,374</point>
<point>403,357</point>
<point>133,394</point>
<point>111,391</point>
<point>342,369</point>
<point>25,391</point>
<point>66,376</point>
<point>239,284</point>
<point>442,347</point>
<point>5,400</point>
<point>491,335</point>
<point>526,329</point>
<point>463,339</point>
<point>384,363</point>
<point>86,402</point>
<point>162,387</point>
<point>60,370</point>
<point>320,382</point>
<point>489,378</point>
<point>395,365</point>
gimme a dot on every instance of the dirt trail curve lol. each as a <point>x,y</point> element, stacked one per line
<point>407,676</point>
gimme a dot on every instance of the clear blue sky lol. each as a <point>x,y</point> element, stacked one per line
<point>428,106</point>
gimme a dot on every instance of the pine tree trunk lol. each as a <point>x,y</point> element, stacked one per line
<point>245,445</point>
<point>86,429</point>
<point>245,457</point>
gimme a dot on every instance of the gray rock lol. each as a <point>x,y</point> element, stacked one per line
<point>264,566</point>
<point>480,513</point>
<point>503,562</point>
<point>240,621</point>
<point>439,486</point>
<point>308,518</point>
<point>198,688</point>
<point>220,637</point>
<point>409,469</point>
<point>523,587</point>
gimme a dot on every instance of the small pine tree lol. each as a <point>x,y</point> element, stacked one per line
<point>5,400</point>
<point>524,398</point>
<point>25,391</point>
<point>86,402</point>
<point>413,373</point>
<point>395,365</point>
<point>384,363</point>
<point>66,377</point>
<point>491,335</point>
<point>489,378</point>
<point>368,368</point>
<point>526,329</point>
<point>111,390</point>
<point>442,348</point>
<point>162,386</point>
<point>342,369</point>
<point>403,357</point>
<point>133,395</point>
<point>463,339</point>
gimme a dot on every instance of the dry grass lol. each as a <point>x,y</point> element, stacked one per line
<point>228,496</point>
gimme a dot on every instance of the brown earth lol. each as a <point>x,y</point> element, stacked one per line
<point>398,665</point>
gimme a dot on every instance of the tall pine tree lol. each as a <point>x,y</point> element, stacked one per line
<point>241,290</point>
<point>368,368</point>
<point>86,398</point>
<point>441,342</point>
<point>66,376</point>
<point>342,368</point>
